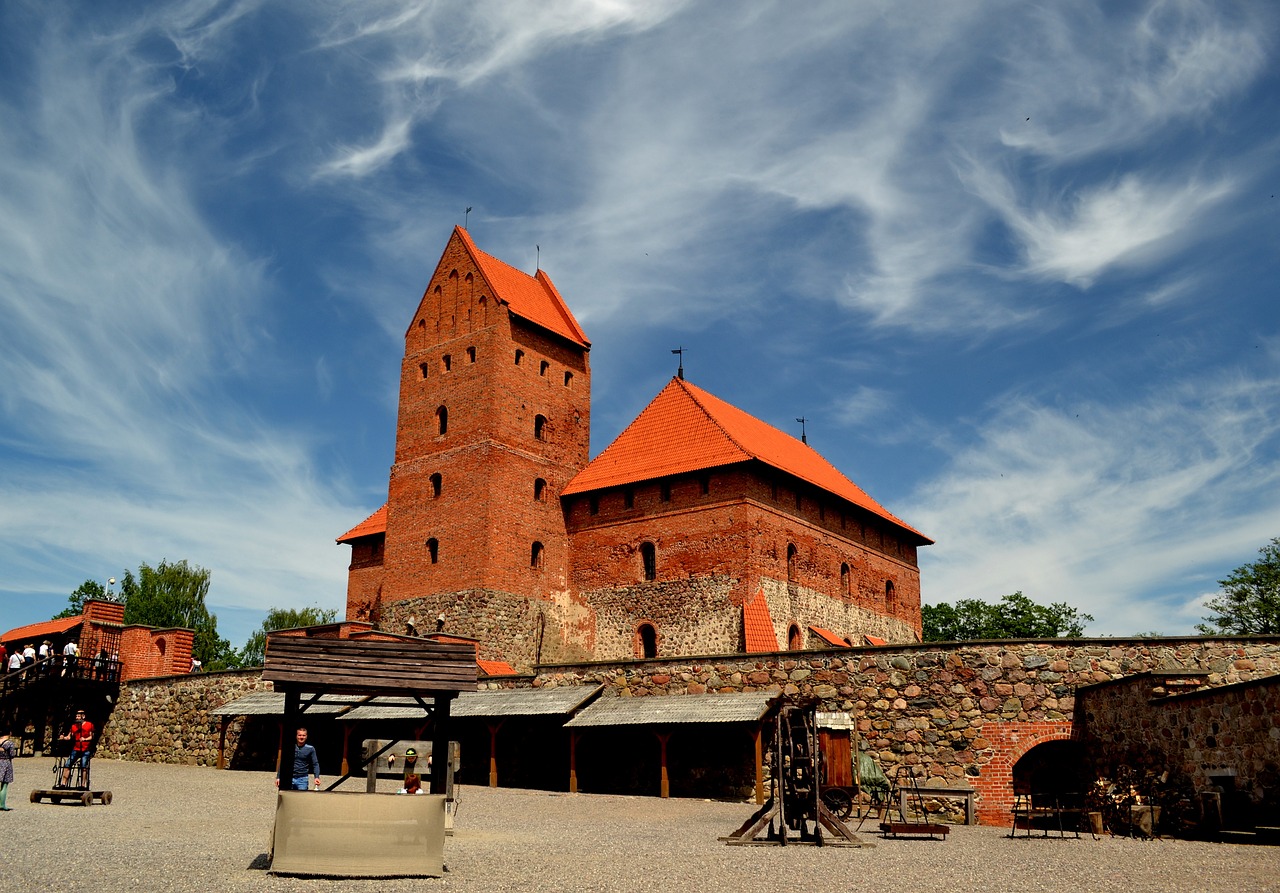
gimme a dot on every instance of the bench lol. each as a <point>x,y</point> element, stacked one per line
<point>940,793</point>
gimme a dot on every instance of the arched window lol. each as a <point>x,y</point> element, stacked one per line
<point>649,559</point>
<point>161,645</point>
<point>433,550</point>
<point>890,595</point>
<point>543,367</point>
<point>442,419</point>
<point>791,561</point>
<point>539,489</point>
<point>648,640</point>
<point>844,580</point>
<point>535,555</point>
<point>540,427</point>
<point>795,640</point>
<point>446,362</point>
<point>437,484</point>
<point>519,356</point>
<point>568,379</point>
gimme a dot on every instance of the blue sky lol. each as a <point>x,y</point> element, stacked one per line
<point>1015,264</point>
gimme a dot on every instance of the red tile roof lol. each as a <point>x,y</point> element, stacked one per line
<point>375,523</point>
<point>685,429</point>
<point>829,637</point>
<point>757,625</point>
<point>533,298</point>
<point>875,640</point>
<point>495,667</point>
<point>35,632</point>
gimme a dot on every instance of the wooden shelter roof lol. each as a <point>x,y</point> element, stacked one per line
<point>414,667</point>
<point>666,709</point>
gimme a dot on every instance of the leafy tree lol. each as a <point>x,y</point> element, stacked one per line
<point>172,594</point>
<point>254,652</point>
<point>89,589</point>
<point>1249,604</point>
<point>1014,617</point>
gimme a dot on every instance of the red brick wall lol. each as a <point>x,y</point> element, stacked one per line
<point>146,652</point>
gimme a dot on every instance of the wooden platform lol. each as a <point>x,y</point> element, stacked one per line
<point>71,795</point>
<point>914,829</point>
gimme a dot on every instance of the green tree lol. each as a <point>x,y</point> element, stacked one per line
<point>254,652</point>
<point>172,594</point>
<point>1249,604</point>
<point>1014,617</point>
<point>87,590</point>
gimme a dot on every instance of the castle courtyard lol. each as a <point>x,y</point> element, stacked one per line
<point>183,828</point>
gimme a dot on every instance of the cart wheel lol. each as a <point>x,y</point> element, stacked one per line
<point>86,799</point>
<point>35,796</point>
<point>105,798</point>
<point>838,802</point>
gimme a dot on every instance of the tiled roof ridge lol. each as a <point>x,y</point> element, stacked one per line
<point>489,265</point>
<point>353,534</point>
<point>693,391</point>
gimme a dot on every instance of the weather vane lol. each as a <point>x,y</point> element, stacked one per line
<point>803,437</point>
<point>680,371</point>
<point>466,215</point>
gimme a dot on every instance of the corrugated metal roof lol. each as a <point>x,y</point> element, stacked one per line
<point>524,701</point>
<point>667,709</point>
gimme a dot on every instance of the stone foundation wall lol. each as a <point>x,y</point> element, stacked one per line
<point>167,720</point>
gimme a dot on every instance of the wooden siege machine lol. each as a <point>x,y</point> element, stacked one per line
<point>795,811</point>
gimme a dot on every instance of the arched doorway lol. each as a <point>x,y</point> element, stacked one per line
<point>1053,767</point>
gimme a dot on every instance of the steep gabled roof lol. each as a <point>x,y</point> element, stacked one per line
<point>34,632</point>
<point>685,429</point>
<point>532,298</point>
<point>828,636</point>
<point>375,523</point>
<point>757,626</point>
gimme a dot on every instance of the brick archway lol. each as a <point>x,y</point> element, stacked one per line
<point>1007,742</point>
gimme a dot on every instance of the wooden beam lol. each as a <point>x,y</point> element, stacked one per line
<point>758,735</point>
<point>573,762</point>
<point>665,787</point>
<point>493,752</point>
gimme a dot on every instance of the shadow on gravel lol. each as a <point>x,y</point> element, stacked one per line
<point>261,863</point>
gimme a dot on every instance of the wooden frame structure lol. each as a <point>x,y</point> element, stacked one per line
<point>310,670</point>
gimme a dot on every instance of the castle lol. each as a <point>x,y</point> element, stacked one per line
<point>700,530</point>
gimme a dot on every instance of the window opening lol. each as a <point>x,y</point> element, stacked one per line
<point>649,557</point>
<point>791,561</point>
<point>437,484</point>
<point>471,354</point>
<point>535,555</point>
<point>442,420</point>
<point>433,549</point>
<point>540,427</point>
<point>539,489</point>
<point>519,356</point>
<point>423,367</point>
<point>543,367</point>
<point>795,641</point>
<point>648,640</point>
<point>844,579</point>
<point>446,361</point>
<point>628,498</point>
<point>568,379</point>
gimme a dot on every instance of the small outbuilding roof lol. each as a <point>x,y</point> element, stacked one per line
<point>512,702</point>
<point>669,709</point>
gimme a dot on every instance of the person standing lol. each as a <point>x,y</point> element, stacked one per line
<point>81,738</point>
<point>305,760</point>
<point>15,661</point>
<point>7,753</point>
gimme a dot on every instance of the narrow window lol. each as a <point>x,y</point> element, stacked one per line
<point>844,579</point>
<point>535,555</point>
<point>539,489</point>
<point>437,484</point>
<point>795,641</point>
<point>890,596</point>
<point>471,354</point>
<point>442,419</point>
<point>540,427</point>
<point>664,491</point>
<point>519,356</point>
<point>568,379</point>
<point>433,550</point>
<point>791,562</point>
<point>543,367</point>
<point>446,361</point>
<point>649,557</point>
<point>648,640</point>
<point>423,367</point>
<point>628,498</point>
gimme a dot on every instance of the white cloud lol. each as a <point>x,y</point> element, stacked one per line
<point>1110,508</point>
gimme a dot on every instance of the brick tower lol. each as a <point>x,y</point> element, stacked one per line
<point>494,419</point>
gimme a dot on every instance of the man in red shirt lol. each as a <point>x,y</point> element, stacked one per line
<point>81,738</point>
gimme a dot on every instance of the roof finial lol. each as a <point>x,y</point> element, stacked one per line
<point>465,215</point>
<point>538,262</point>
<point>803,437</point>
<point>680,371</point>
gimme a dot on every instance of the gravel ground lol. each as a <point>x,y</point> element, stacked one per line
<point>179,828</point>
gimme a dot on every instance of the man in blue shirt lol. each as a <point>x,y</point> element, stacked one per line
<point>305,761</point>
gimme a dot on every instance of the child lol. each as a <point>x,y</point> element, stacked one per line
<point>412,784</point>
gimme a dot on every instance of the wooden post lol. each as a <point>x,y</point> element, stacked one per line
<point>662,744</point>
<point>493,753</point>
<point>758,735</point>
<point>440,743</point>
<point>347,729</point>
<point>288,736</point>
<point>222,742</point>
<point>573,762</point>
